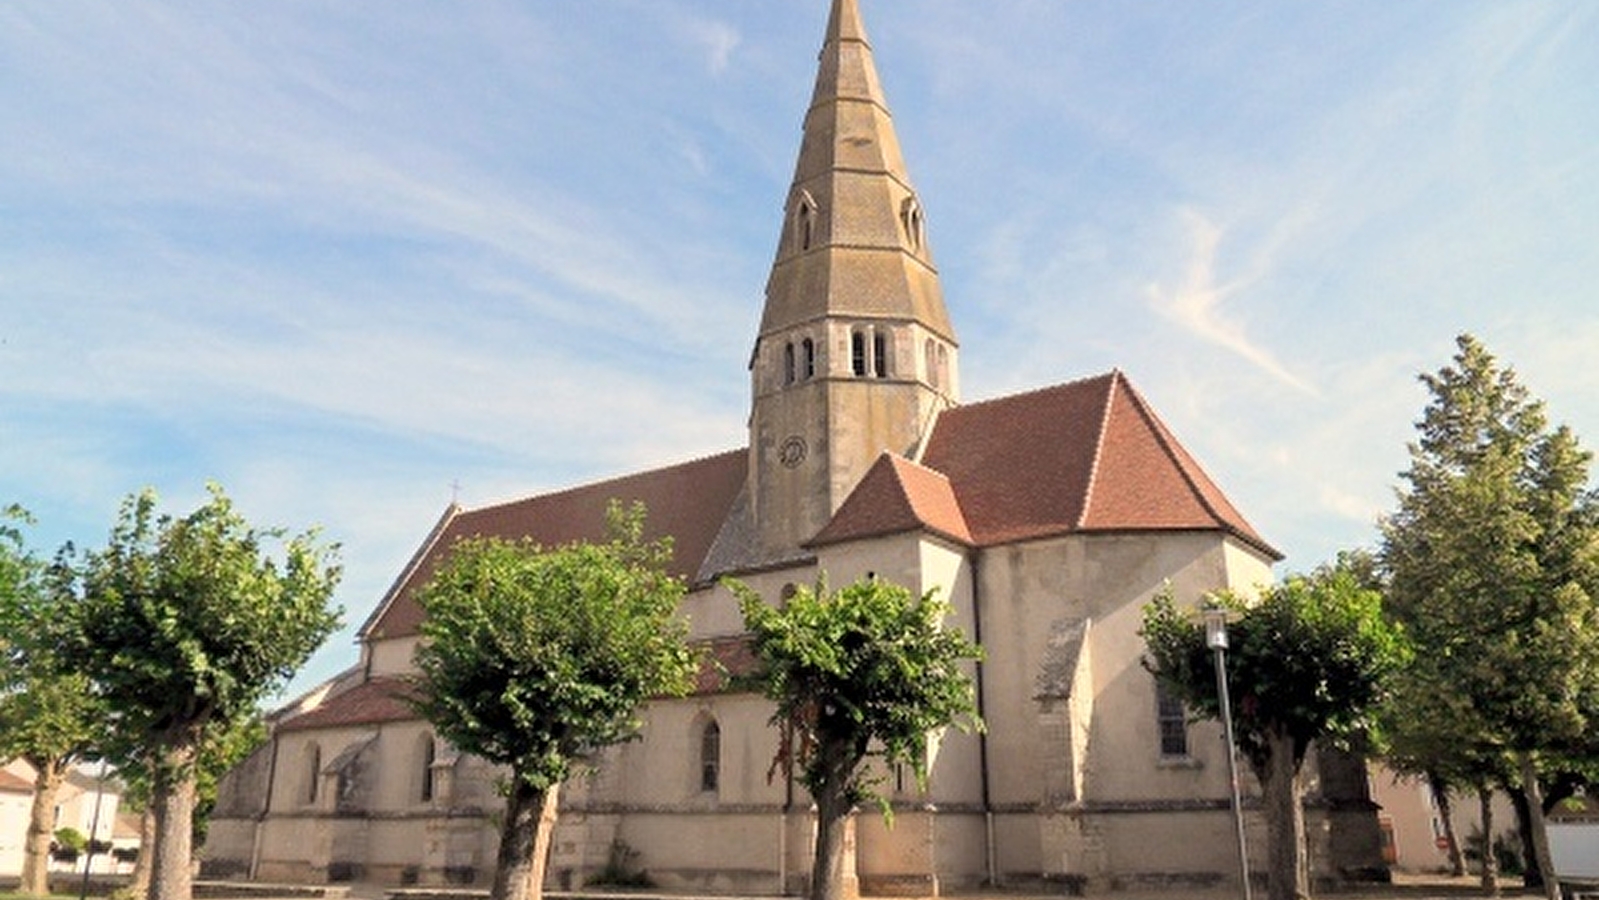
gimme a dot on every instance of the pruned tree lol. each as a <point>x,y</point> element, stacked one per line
<point>183,625</point>
<point>535,658</point>
<point>47,714</point>
<point>870,668</point>
<point>1310,660</point>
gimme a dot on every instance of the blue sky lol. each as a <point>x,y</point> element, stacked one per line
<point>351,260</point>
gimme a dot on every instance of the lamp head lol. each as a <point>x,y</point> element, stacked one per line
<point>1215,627</point>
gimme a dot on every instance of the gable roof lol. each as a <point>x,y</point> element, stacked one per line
<point>687,501</point>
<point>1086,456</point>
<point>896,496</point>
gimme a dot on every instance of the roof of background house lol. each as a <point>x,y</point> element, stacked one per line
<point>14,784</point>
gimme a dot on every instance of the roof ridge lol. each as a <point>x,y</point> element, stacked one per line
<point>1099,447</point>
<point>449,515</point>
<point>600,482</point>
<point>1184,461</point>
<point>1006,398</point>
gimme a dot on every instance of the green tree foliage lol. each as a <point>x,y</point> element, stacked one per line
<point>869,668</point>
<point>1311,659</point>
<point>536,658</point>
<point>1492,559</point>
<point>183,626</point>
<point>47,715</point>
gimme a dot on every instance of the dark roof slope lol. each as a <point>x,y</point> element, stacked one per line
<point>896,496</point>
<point>1085,456</point>
<point>687,502</point>
<point>368,703</point>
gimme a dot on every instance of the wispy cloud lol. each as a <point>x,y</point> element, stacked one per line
<point>1197,303</point>
<point>719,40</point>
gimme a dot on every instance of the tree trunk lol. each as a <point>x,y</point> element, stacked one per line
<point>1531,873</point>
<point>1540,830</point>
<point>524,842</point>
<point>1287,872</point>
<point>838,759</point>
<point>139,884</point>
<point>1490,858</point>
<point>172,801</point>
<point>1446,813</point>
<point>36,853</point>
<point>827,870</point>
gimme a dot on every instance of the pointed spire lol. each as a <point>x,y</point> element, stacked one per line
<point>853,242</point>
<point>844,24</point>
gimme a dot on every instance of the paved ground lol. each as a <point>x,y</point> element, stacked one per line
<point>1404,887</point>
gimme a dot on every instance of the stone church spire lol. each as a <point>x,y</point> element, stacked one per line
<point>855,353</point>
<point>853,240</point>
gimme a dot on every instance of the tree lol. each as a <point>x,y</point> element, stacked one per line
<point>221,750</point>
<point>535,658</point>
<point>869,668</point>
<point>47,716</point>
<point>183,626</point>
<point>1492,559</point>
<point>1310,660</point>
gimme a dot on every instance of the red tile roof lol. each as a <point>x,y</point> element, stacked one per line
<point>896,496</point>
<point>14,784</point>
<point>687,502</point>
<point>1088,456</point>
<point>725,659</point>
<point>368,703</point>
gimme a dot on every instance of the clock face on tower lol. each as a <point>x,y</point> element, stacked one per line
<point>792,451</point>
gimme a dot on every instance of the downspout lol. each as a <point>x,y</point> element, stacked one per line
<point>782,837</point>
<point>990,845</point>
<point>266,809</point>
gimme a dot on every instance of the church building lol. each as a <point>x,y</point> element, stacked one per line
<point>1048,519</point>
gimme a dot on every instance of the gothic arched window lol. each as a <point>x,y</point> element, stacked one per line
<point>808,359</point>
<point>805,221</point>
<point>788,364</point>
<point>710,757</point>
<point>880,354</point>
<point>313,772</point>
<point>910,218</point>
<point>428,756</point>
<point>857,352</point>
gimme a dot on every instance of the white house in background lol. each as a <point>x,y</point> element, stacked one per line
<point>75,807</point>
<point>16,798</point>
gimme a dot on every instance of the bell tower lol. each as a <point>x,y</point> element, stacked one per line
<point>855,353</point>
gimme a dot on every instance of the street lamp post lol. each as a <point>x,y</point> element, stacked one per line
<point>1216,640</point>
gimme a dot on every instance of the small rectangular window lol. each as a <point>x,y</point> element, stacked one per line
<point>1173,721</point>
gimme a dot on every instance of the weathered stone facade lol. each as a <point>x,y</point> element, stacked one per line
<point>1047,520</point>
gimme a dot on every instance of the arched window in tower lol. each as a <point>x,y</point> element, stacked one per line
<point>805,221</point>
<point>910,218</point>
<point>857,352</point>
<point>943,365</point>
<point>313,773</point>
<point>880,353</point>
<point>808,359</point>
<point>788,364</point>
<point>428,755</point>
<point>710,757</point>
<point>930,362</point>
